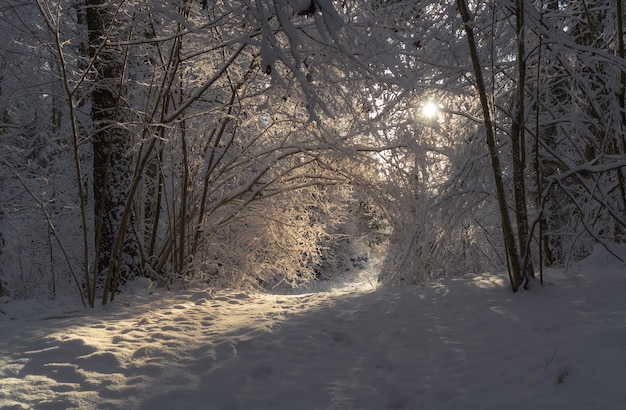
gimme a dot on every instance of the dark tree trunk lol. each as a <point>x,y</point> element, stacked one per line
<point>112,145</point>
<point>518,148</point>
<point>620,235</point>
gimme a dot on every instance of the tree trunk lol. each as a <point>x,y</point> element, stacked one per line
<point>518,148</point>
<point>515,273</point>
<point>620,234</point>
<point>112,146</point>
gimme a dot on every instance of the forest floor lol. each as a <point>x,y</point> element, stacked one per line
<point>466,343</point>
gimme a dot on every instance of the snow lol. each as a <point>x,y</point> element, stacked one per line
<point>466,343</point>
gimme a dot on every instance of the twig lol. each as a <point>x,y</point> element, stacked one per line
<point>550,360</point>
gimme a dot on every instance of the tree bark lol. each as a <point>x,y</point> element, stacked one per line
<point>518,147</point>
<point>620,235</point>
<point>112,149</point>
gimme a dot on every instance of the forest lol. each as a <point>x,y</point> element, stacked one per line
<point>255,144</point>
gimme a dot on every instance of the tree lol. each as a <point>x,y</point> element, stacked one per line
<point>578,154</point>
<point>36,205</point>
<point>117,256</point>
<point>516,49</point>
<point>194,145</point>
<point>515,272</point>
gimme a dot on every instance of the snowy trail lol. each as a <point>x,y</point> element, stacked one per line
<point>454,344</point>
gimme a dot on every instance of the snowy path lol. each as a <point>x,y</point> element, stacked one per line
<point>454,344</point>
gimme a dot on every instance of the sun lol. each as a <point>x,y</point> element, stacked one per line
<point>430,109</point>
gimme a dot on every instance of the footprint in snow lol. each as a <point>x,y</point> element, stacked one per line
<point>340,338</point>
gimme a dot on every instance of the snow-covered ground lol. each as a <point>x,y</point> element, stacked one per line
<point>454,344</point>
